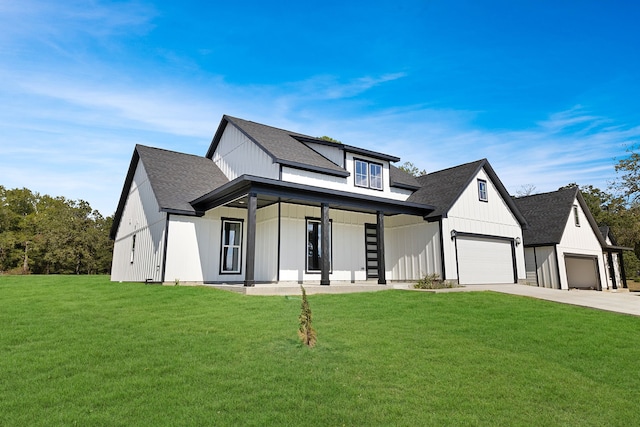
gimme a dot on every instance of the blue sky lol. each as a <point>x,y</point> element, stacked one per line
<point>548,91</point>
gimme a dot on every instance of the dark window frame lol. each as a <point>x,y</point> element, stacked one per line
<point>368,164</point>
<point>221,269</point>
<point>306,243</point>
<point>481,183</point>
<point>576,216</point>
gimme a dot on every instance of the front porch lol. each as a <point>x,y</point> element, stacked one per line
<point>288,228</point>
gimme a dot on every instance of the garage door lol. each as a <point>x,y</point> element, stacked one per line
<point>482,260</point>
<point>581,272</point>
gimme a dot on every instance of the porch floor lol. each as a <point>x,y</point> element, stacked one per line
<point>311,288</point>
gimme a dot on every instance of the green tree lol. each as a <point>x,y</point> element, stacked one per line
<point>412,169</point>
<point>628,179</point>
<point>328,138</point>
<point>44,234</point>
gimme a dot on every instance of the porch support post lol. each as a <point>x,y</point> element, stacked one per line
<point>622,272</point>
<point>612,270</point>
<point>252,207</point>
<point>325,259</point>
<point>380,230</point>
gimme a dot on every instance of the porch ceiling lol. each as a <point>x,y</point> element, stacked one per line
<point>269,191</point>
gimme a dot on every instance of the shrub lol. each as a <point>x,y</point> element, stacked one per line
<point>433,281</point>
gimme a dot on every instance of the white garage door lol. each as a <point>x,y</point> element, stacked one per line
<point>483,261</point>
<point>581,272</point>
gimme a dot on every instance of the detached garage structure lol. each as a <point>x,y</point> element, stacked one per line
<point>563,245</point>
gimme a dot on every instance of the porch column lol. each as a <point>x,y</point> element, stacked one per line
<point>325,244</point>
<point>622,272</point>
<point>380,230</point>
<point>612,270</point>
<point>249,272</point>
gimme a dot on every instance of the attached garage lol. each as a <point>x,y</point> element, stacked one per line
<point>484,260</point>
<point>582,272</point>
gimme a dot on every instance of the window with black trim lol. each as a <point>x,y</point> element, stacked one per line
<point>576,215</point>
<point>231,247</point>
<point>483,196</point>
<point>368,174</point>
<point>314,246</point>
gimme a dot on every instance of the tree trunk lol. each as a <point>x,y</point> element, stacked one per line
<point>25,263</point>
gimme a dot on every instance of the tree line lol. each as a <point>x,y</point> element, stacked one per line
<point>41,234</point>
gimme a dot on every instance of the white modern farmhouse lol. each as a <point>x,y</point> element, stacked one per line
<point>266,205</point>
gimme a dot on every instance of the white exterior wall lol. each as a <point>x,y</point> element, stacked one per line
<point>541,264</point>
<point>141,217</point>
<point>193,248</point>
<point>579,240</point>
<point>412,248</point>
<point>470,215</point>
<point>335,154</point>
<point>321,180</point>
<point>266,266</point>
<point>348,250</point>
<point>237,155</point>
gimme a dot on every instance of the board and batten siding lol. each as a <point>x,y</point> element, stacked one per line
<point>412,248</point>
<point>237,155</point>
<point>193,248</point>
<point>542,266</point>
<point>490,218</point>
<point>348,246</point>
<point>316,179</point>
<point>335,154</point>
<point>580,240</point>
<point>141,217</point>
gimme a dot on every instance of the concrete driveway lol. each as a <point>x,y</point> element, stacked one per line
<point>620,301</point>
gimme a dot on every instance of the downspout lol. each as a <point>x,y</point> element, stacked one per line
<point>444,273</point>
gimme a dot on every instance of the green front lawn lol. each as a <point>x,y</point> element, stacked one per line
<point>83,351</point>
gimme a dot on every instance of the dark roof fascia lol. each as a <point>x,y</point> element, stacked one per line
<point>504,193</point>
<point>216,139</point>
<point>345,147</point>
<point>540,245</point>
<point>615,248</point>
<point>135,158</point>
<point>265,186</point>
<point>403,186</point>
<point>305,139</point>
<point>590,219</point>
<point>340,173</point>
<point>484,163</point>
<point>369,153</point>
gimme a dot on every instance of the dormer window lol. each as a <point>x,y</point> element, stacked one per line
<point>482,191</point>
<point>368,174</point>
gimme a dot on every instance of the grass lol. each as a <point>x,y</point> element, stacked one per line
<point>84,351</point>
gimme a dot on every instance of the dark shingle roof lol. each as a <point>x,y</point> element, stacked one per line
<point>443,188</point>
<point>547,215</point>
<point>175,179</point>
<point>401,179</point>
<point>178,178</point>
<point>281,145</point>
